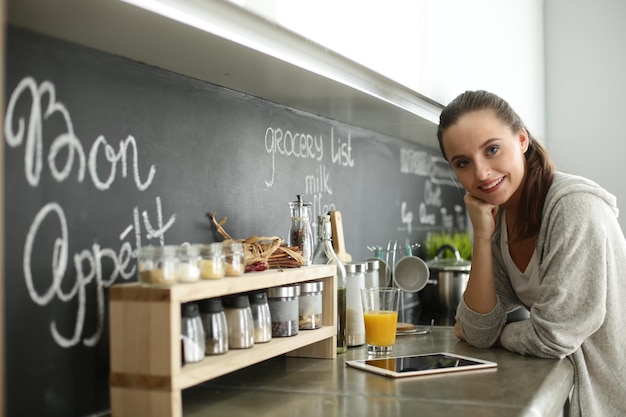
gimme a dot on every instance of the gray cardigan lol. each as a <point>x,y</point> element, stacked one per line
<point>580,311</point>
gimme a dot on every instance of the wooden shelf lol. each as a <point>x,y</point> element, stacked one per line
<point>147,375</point>
<point>222,43</point>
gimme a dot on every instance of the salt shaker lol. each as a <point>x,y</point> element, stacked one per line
<point>239,321</point>
<point>214,326</point>
<point>261,316</point>
<point>192,333</point>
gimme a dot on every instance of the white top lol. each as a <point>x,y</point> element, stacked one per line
<point>525,284</point>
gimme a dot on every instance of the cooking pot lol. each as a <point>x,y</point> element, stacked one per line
<point>448,279</point>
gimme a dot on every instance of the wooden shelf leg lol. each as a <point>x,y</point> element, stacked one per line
<point>132,402</point>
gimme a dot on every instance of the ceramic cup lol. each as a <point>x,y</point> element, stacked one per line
<point>411,274</point>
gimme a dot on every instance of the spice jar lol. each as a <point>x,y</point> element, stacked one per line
<point>214,326</point>
<point>239,321</point>
<point>260,316</point>
<point>212,264</point>
<point>283,303</point>
<point>192,333</point>
<point>310,305</point>
<point>156,265</point>
<point>355,325</point>
<point>188,269</point>
<point>233,256</point>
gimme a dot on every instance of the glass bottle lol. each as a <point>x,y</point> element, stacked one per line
<point>300,234</point>
<point>214,326</point>
<point>325,254</point>
<point>261,316</point>
<point>192,333</point>
<point>355,325</point>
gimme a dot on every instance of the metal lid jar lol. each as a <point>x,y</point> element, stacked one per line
<point>310,305</point>
<point>283,303</point>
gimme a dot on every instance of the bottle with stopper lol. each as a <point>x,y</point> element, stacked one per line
<point>325,254</point>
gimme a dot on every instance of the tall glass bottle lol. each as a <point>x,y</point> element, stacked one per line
<point>325,254</point>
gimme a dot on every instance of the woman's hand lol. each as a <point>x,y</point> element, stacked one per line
<point>482,215</point>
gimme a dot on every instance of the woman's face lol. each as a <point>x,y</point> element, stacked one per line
<point>487,157</point>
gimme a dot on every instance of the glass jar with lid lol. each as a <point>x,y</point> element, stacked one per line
<point>212,264</point>
<point>156,266</point>
<point>233,257</point>
<point>283,303</point>
<point>188,267</point>
<point>310,305</point>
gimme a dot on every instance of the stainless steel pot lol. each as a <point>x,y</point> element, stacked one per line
<point>448,279</point>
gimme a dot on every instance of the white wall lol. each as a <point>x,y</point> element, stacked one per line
<point>586,90</point>
<point>438,48</point>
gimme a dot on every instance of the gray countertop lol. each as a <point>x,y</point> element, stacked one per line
<point>285,386</point>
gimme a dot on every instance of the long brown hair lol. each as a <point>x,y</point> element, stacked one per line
<point>539,166</point>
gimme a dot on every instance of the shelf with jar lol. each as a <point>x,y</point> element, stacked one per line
<point>147,371</point>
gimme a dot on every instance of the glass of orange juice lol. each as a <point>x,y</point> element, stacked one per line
<point>380,312</point>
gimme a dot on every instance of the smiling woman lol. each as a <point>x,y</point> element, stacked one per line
<point>536,234</point>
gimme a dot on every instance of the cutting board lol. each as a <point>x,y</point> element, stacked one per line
<point>336,224</point>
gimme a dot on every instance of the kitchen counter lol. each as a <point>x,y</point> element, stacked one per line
<point>285,386</point>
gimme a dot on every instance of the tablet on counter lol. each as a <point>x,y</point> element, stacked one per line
<point>422,364</point>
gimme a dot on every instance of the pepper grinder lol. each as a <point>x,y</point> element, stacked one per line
<point>301,234</point>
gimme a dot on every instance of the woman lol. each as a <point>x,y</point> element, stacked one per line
<point>543,240</point>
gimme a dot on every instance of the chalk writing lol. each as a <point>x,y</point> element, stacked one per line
<point>66,143</point>
<point>406,216</point>
<point>423,164</point>
<point>297,145</point>
<point>341,150</point>
<point>425,217</point>
<point>86,265</point>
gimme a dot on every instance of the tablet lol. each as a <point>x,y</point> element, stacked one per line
<point>423,364</point>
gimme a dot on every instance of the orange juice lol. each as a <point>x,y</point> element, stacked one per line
<point>380,327</point>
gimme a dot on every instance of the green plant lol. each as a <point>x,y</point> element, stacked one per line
<point>461,241</point>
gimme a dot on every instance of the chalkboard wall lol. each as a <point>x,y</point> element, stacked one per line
<point>105,155</point>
